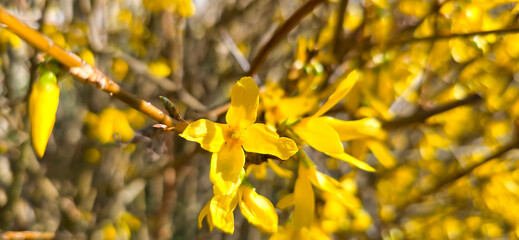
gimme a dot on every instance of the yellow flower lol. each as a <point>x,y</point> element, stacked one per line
<point>225,141</point>
<point>322,133</point>
<point>303,197</point>
<point>257,209</point>
<point>43,104</point>
<point>112,124</point>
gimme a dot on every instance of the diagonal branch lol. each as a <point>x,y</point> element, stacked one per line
<point>84,71</point>
<point>422,114</point>
<point>514,29</point>
<point>281,32</point>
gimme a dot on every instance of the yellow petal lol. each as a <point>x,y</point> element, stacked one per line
<point>362,128</point>
<point>382,153</point>
<point>259,138</point>
<point>304,202</point>
<point>205,132</point>
<point>159,68</point>
<point>282,172</point>
<point>227,169</point>
<point>353,161</point>
<point>222,211</point>
<point>205,212</point>
<point>258,210</point>
<point>318,134</point>
<point>324,182</point>
<point>286,202</point>
<point>343,89</point>
<point>293,107</point>
<point>244,104</point>
<point>186,8</point>
<point>259,170</point>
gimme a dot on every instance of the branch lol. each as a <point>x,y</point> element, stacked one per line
<point>453,35</point>
<point>281,32</point>
<point>84,71</point>
<point>422,114</point>
<point>454,177</point>
<point>338,31</point>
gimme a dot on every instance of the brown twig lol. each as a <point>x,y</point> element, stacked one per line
<point>281,32</point>
<point>338,31</point>
<point>84,71</point>
<point>422,114</point>
<point>27,235</point>
<point>454,35</point>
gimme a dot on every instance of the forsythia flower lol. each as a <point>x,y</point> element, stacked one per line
<point>112,124</point>
<point>225,141</point>
<point>323,136</point>
<point>43,104</point>
<point>257,209</point>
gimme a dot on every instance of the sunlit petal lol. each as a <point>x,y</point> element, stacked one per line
<point>227,169</point>
<point>282,172</point>
<point>259,138</point>
<point>341,91</point>
<point>203,213</point>
<point>258,210</point>
<point>318,134</point>
<point>382,153</point>
<point>286,202</point>
<point>353,161</point>
<point>304,206</point>
<point>222,211</point>
<point>244,104</point>
<point>362,128</point>
<point>205,132</point>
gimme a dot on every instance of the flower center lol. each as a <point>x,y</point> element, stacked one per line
<point>232,137</point>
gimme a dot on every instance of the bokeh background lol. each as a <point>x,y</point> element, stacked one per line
<point>107,173</point>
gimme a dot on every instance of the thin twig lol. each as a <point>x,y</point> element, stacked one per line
<point>281,32</point>
<point>27,235</point>
<point>454,35</point>
<point>235,51</point>
<point>84,71</point>
<point>422,114</point>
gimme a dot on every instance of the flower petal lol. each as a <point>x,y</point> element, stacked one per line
<point>286,202</point>
<point>205,132</point>
<point>382,153</point>
<point>353,161</point>
<point>341,91</point>
<point>222,211</point>
<point>318,134</point>
<point>304,206</point>
<point>244,104</point>
<point>258,210</point>
<point>227,169</point>
<point>282,172</point>
<point>362,128</point>
<point>204,212</point>
<point>259,138</point>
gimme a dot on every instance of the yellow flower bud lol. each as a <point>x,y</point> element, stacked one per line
<point>43,104</point>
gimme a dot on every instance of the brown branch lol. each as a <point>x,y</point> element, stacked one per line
<point>338,31</point>
<point>453,35</point>
<point>85,72</point>
<point>415,198</point>
<point>27,235</point>
<point>281,32</point>
<point>422,114</point>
